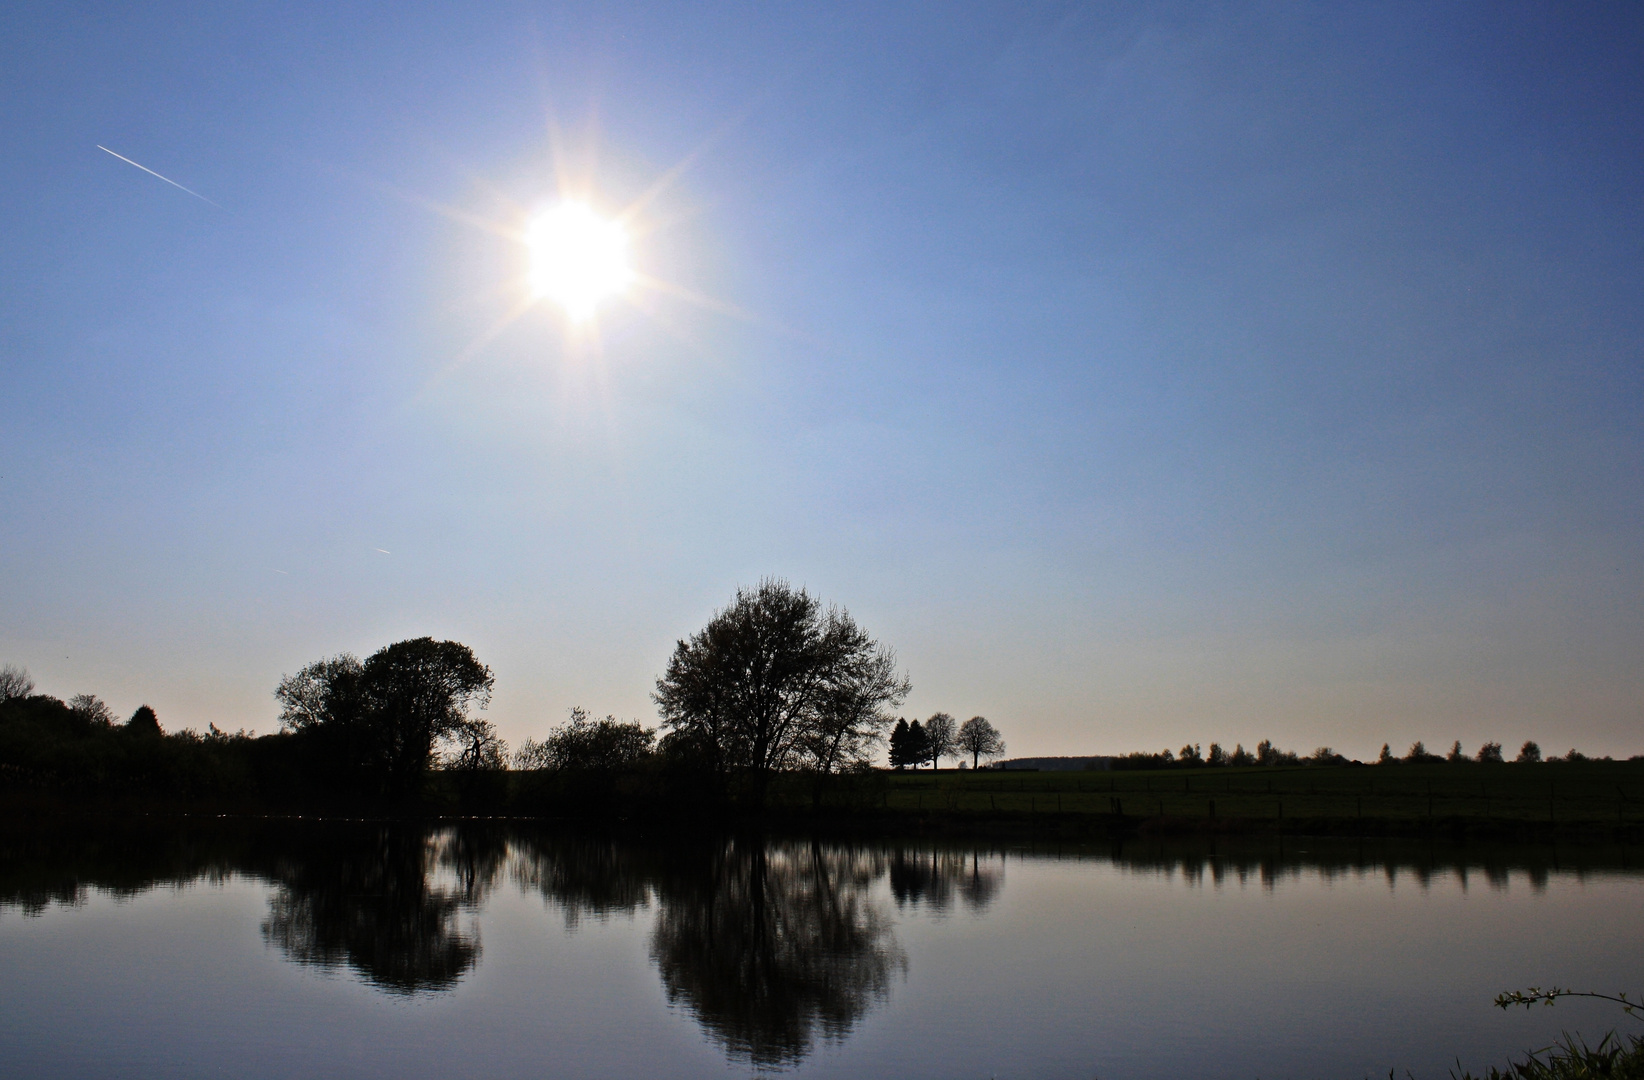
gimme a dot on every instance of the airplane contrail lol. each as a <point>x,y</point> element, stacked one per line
<point>151,172</point>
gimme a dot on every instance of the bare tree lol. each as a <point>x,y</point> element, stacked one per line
<point>980,739</point>
<point>941,738</point>
<point>475,745</point>
<point>15,683</point>
<point>92,709</point>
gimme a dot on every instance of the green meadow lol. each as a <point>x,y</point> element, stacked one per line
<point>1328,798</point>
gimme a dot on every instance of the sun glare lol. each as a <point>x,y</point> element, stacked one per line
<point>577,258</point>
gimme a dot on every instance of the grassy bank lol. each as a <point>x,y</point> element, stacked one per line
<point>1486,799</point>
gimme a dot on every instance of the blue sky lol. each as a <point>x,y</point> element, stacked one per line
<point>1141,373</point>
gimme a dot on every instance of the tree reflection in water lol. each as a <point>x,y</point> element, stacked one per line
<point>933,878</point>
<point>769,945</point>
<point>365,900</point>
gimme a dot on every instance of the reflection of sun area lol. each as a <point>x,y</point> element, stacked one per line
<point>577,258</point>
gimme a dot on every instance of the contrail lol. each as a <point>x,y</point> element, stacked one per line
<point>151,172</point>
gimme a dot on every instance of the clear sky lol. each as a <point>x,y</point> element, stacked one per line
<point>1140,373</point>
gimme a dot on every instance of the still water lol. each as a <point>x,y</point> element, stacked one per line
<point>308,949</point>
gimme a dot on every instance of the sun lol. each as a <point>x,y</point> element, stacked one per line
<point>577,258</point>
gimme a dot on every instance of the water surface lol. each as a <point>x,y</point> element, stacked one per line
<point>299,949</point>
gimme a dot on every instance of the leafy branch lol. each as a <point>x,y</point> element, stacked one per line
<point>1536,995</point>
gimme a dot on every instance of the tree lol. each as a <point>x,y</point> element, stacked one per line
<point>383,718</point>
<point>917,746</point>
<point>476,747</point>
<point>92,709</point>
<point>941,737</point>
<point>853,712</point>
<point>1419,754</point>
<point>1190,755</point>
<point>1386,756</point>
<point>144,722</point>
<point>324,692</point>
<point>1456,753</point>
<point>979,739</point>
<point>899,744</point>
<point>1490,753</point>
<point>776,681</point>
<point>1217,755</point>
<point>1529,753</point>
<point>417,692</point>
<point>15,683</point>
<point>1240,756</point>
<point>1268,754</point>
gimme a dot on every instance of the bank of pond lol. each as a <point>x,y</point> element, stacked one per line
<point>52,756</point>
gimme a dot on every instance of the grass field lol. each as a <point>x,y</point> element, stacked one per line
<point>1586,793</point>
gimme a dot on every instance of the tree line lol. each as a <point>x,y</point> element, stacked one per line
<point>1192,756</point>
<point>776,683</point>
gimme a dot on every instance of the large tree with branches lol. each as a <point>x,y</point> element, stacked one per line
<point>778,681</point>
<point>384,717</point>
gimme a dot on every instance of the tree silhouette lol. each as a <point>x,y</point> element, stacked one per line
<point>382,718</point>
<point>92,709</point>
<point>899,744</point>
<point>775,681</point>
<point>917,744</point>
<point>15,683</point>
<point>941,737</point>
<point>144,722</point>
<point>978,738</point>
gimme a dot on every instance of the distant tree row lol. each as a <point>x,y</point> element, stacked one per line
<point>1192,756</point>
<point>941,737</point>
<point>1489,754</point>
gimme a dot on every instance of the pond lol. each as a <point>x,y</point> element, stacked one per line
<point>312,948</point>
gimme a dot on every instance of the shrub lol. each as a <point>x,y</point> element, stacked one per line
<point>585,745</point>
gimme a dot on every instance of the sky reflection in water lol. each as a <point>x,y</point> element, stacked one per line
<point>426,953</point>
